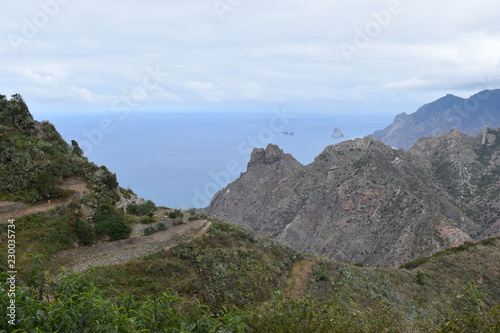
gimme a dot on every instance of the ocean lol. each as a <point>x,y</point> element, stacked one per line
<point>181,159</point>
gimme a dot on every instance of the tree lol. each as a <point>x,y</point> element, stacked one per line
<point>75,148</point>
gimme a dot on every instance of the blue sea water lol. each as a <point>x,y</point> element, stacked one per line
<point>180,160</point>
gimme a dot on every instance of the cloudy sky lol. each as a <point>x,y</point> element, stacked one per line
<point>362,55</point>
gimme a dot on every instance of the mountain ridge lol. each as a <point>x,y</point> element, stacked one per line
<point>468,115</point>
<point>362,201</point>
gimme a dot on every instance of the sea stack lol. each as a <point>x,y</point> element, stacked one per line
<point>337,133</point>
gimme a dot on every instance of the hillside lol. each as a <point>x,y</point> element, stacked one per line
<point>361,201</point>
<point>468,115</point>
<point>58,198</point>
<point>195,286</point>
<point>468,168</point>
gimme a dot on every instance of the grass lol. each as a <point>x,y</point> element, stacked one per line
<point>43,233</point>
<point>225,267</point>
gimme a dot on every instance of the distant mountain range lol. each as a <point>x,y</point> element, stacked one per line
<point>362,201</point>
<point>469,116</point>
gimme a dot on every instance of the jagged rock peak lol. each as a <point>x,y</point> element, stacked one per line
<point>272,154</point>
<point>360,143</point>
<point>455,133</point>
<point>487,138</point>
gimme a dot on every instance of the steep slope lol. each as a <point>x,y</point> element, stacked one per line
<point>360,201</point>
<point>469,169</point>
<point>441,116</point>
<point>57,197</point>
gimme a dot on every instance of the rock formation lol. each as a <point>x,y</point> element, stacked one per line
<point>361,201</point>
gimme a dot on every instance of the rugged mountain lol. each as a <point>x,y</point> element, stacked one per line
<point>361,201</point>
<point>467,115</point>
<point>468,168</point>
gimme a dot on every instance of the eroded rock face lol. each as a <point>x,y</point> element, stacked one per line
<point>124,202</point>
<point>360,201</point>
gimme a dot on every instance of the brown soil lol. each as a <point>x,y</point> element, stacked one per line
<point>77,185</point>
<point>296,283</point>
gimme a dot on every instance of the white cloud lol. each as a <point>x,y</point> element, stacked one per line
<point>263,51</point>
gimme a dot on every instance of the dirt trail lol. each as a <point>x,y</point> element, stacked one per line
<point>78,186</point>
<point>296,283</point>
<point>118,252</point>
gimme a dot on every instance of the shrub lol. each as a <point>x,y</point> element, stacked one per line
<point>141,210</point>
<point>175,214</point>
<point>149,231</point>
<point>177,222</point>
<point>111,223</point>
<point>83,232</point>
<point>420,278</point>
<point>147,220</point>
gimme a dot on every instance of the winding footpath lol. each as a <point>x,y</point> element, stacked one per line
<point>117,252</point>
<point>78,186</point>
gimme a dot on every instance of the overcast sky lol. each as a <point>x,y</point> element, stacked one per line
<point>361,55</point>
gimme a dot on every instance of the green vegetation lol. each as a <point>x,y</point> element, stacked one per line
<point>44,233</point>
<point>141,210</point>
<point>60,229</point>
<point>464,247</point>
<point>70,302</point>
<point>34,159</point>
<point>339,298</point>
<point>112,223</point>
<point>154,229</point>
<point>226,267</point>
<point>84,232</point>
<point>177,213</point>
<point>147,220</point>
<point>149,231</point>
<point>103,185</point>
<point>194,216</point>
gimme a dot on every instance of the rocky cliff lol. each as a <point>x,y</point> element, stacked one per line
<point>441,116</point>
<point>361,201</point>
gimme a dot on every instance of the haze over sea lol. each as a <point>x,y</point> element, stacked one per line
<point>181,159</point>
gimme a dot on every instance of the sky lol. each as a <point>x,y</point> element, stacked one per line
<point>360,56</point>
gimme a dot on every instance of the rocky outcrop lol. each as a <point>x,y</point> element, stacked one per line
<point>441,116</point>
<point>124,201</point>
<point>360,201</point>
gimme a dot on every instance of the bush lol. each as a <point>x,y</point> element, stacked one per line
<point>83,232</point>
<point>420,278</point>
<point>111,223</point>
<point>177,222</point>
<point>147,220</point>
<point>176,214</point>
<point>149,231</point>
<point>141,210</point>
